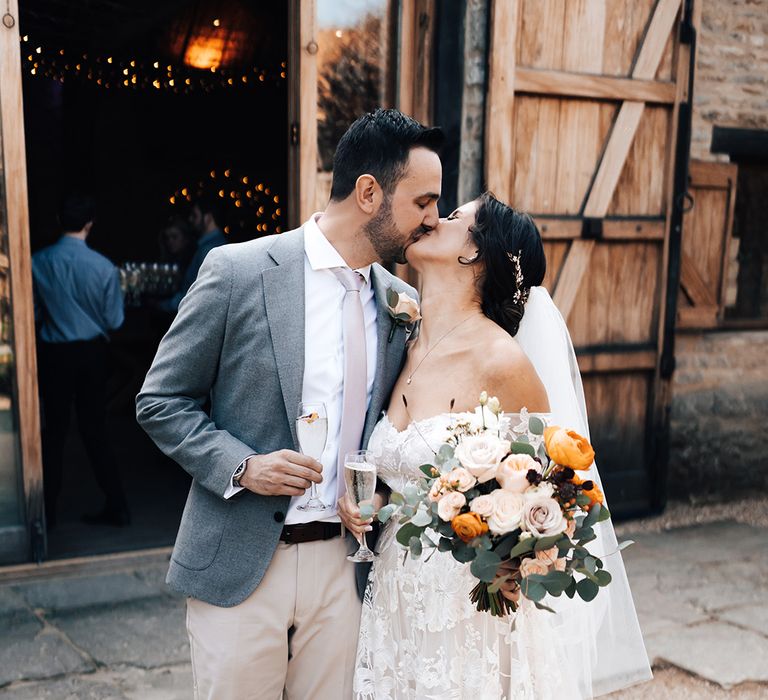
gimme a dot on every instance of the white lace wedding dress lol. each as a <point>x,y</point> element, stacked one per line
<point>420,635</point>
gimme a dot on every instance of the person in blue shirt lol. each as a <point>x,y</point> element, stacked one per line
<point>78,302</point>
<point>205,218</point>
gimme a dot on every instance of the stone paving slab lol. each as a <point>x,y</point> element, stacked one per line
<point>715,651</point>
<point>752,616</point>
<point>31,650</point>
<point>145,633</point>
<point>68,593</point>
<point>173,683</point>
<point>674,684</point>
<point>11,603</point>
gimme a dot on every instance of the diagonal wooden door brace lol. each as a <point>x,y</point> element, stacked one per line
<point>615,154</point>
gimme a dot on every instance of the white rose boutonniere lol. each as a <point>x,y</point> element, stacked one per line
<point>403,310</point>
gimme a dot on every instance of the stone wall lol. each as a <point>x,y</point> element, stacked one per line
<point>731,82</point>
<point>719,436</point>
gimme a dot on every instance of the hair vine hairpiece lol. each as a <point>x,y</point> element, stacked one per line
<point>521,293</point>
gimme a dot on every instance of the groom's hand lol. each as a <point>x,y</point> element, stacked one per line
<point>281,473</point>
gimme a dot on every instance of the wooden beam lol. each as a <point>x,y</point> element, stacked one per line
<point>14,172</point>
<point>640,360</point>
<point>308,48</point>
<point>628,119</point>
<point>600,87</point>
<point>499,123</point>
<point>697,317</point>
<point>613,230</point>
<point>715,175</point>
<point>571,274</point>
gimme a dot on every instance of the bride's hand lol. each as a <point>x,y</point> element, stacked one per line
<point>350,514</point>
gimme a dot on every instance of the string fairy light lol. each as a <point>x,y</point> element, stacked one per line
<point>135,74</point>
<point>256,208</point>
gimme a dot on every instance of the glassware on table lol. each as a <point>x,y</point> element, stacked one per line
<point>360,478</point>
<point>312,431</point>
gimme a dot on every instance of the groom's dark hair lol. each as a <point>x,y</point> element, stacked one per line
<point>379,144</point>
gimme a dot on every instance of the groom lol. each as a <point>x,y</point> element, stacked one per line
<point>273,606</point>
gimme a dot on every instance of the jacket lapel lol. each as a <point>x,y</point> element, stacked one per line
<point>389,355</point>
<point>284,302</point>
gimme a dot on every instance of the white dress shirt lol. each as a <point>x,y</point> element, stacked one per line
<point>324,357</point>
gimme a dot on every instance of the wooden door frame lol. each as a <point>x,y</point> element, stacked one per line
<point>12,145</point>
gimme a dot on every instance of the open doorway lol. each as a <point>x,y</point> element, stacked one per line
<point>146,106</point>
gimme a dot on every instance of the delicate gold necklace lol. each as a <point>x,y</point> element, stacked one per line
<point>442,338</point>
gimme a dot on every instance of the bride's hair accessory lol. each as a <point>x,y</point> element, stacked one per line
<point>521,291</point>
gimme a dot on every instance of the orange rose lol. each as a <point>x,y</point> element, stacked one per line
<point>468,526</point>
<point>595,495</point>
<point>567,448</point>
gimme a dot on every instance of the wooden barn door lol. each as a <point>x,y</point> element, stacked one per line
<point>581,125</point>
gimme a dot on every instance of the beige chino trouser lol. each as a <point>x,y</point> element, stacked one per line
<point>294,637</point>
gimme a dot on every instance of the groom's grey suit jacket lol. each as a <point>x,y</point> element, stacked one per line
<point>226,383</point>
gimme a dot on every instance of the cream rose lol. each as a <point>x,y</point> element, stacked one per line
<point>450,504</point>
<point>437,489</point>
<point>460,479</point>
<point>512,473</point>
<point>533,566</point>
<point>507,511</point>
<point>481,454</point>
<point>482,505</point>
<point>406,305</point>
<point>543,517</point>
<point>543,490</point>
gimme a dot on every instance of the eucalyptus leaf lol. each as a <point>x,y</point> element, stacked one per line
<point>522,547</point>
<point>587,574</point>
<point>386,512</point>
<point>414,544</point>
<point>570,589</point>
<point>587,589</point>
<point>541,606</point>
<point>411,495</point>
<point>504,545</point>
<point>392,298</point>
<point>590,564</point>
<point>407,531</point>
<point>582,500</point>
<point>445,529</point>
<point>366,511</point>
<point>396,498</point>
<point>462,552</point>
<point>625,544</point>
<point>495,587</point>
<point>532,590</point>
<point>426,469</point>
<point>604,513</point>
<point>536,425</point>
<point>422,518</point>
<point>485,565</point>
<point>546,542</point>
<point>542,453</point>
<point>603,577</point>
<point>444,545</point>
<point>403,317</point>
<point>522,448</point>
<point>445,453</point>
<point>592,516</point>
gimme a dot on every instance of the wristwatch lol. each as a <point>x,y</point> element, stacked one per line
<point>238,473</point>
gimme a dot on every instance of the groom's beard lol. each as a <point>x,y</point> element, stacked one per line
<point>386,239</point>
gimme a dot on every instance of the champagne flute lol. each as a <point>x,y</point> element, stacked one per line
<point>360,478</point>
<point>312,431</point>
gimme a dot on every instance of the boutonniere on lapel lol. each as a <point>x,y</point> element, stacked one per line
<point>403,310</point>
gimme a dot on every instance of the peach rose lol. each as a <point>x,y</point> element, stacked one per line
<point>543,517</point>
<point>512,473</point>
<point>460,479</point>
<point>468,526</point>
<point>560,564</point>
<point>450,504</point>
<point>482,505</point>
<point>481,454</point>
<point>570,528</point>
<point>507,511</point>
<point>437,489</point>
<point>408,306</point>
<point>533,566</point>
<point>567,448</point>
<point>548,556</point>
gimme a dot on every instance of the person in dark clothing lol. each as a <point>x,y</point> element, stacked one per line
<point>205,218</point>
<point>77,303</point>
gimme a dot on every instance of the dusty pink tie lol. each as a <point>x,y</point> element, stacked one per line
<point>355,401</point>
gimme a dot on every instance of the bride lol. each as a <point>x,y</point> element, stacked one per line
<point>487,325</point>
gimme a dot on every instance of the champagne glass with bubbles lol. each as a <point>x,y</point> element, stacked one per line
<point>312,431</point>
<point>360,478</point>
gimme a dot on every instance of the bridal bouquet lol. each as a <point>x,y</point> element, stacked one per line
<point>507,500</point>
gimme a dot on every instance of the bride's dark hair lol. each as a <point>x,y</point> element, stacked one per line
<point>510,249</point>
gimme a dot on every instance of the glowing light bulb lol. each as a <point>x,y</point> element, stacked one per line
<point>227,172</point>
<point>221,193</point>
<point>156,64</point>
<point>245,180</point>
<point>39,49</point>
<point>339,34</point>
<point>217,23</point>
